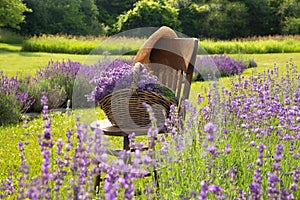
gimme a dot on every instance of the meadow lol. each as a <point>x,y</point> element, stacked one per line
<point>13,60</point>
<point>240,140</point>
<point>121,45</point>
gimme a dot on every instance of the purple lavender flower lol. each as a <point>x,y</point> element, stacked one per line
<point>212,149</point>
<point>7,186</point>
<point>273,191</point>
<point>14,99</point>
<point>252,143</point>
<point>294,185</point>
<point>255,187</point>
<point>200,98</point>
<point>119,75</point>
<point>227,148</point>
<point>221,65</point>
<point>203,192</point>
<point>210,128</point>
<point>277,157</point>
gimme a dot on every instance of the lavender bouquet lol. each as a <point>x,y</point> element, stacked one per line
<point>119,75</point>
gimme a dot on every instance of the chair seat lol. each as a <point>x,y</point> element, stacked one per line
<point>109,129</point>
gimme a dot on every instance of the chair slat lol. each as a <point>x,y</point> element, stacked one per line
<point>174,80</point>
<point>179,84</point>
<point>164,77</point>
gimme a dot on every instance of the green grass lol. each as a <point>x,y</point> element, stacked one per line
<point>13,61</point>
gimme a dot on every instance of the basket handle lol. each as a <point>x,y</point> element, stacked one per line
<point>136,76</point>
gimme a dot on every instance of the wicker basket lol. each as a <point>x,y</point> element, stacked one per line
<point>124,107</point>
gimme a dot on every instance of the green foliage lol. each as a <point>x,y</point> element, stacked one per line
<point>214,19</point>
<point>234,19</point>
<point>291,25</point>
<point>192,18</point>
<point>259,13</point>
<point>11,13</point>
<point>149,14</point>
<point>109,10</point>
<point>168,93</point>
<point>284,16</point>
<point>76,17</point>
<point>218,19</point>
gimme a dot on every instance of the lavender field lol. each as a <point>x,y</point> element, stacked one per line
<point>240,140</point>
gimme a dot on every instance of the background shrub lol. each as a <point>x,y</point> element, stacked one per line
<point>57,80</point>
<point>14,99</point>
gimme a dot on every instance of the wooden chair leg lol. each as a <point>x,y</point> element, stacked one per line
<point>126,143</point>
<point>156,177</point>
<point>97,183</point>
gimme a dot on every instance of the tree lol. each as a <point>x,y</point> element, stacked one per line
<point>109,10</point>
<point>238,20</point>
<point>11,13</point>
<point>192,17</point>
<point>91,14</point>
<point>76,17</point>
<point>289,12</point>
<point>259,17</point>
<point>149,14</point>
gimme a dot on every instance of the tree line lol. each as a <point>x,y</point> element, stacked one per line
<point>218,19</point>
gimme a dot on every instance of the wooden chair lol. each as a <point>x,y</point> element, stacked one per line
<point>172,61</point>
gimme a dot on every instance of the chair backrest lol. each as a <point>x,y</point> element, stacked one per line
<point>172,61</point>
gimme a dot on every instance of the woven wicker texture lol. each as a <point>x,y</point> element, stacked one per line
<point>124,108</point>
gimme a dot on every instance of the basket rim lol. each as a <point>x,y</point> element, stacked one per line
<point>134,91</point>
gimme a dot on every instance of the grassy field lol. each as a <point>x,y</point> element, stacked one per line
<point>12,60</point>
<point>11,135</point>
